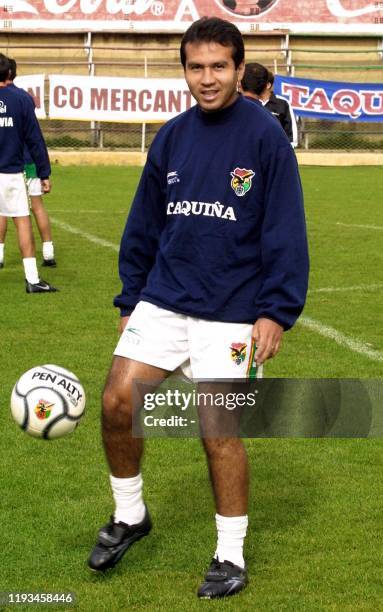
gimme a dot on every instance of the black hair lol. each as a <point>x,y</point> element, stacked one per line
<point>4,68</point>
<point>214,29</point>
<point>256,77</point>
<point>12,69</point>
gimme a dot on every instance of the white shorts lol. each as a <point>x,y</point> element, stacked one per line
<point>13,195</point>
<point>201,349</point>
<point>34,187</point>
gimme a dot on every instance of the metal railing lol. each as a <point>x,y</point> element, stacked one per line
<point>98,135</point>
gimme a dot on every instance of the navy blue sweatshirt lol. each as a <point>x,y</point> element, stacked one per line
<point>19,127</point>
<point>217,229</point>
<point>27,156</point>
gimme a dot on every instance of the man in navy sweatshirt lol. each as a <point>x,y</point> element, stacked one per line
<point>19,126</point>
<point>214,268</point>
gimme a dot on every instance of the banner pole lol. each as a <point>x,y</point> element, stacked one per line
<point>143,134</point>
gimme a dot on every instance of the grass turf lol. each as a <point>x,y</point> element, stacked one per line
<point>315,511</point>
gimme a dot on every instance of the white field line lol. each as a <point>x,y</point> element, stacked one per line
<point>347,341</point>
<point>323,330</point>
<point>375,287</point>
<point>90,237</point>
<point>373,227</point>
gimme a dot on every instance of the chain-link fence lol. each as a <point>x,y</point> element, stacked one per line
<point>313,135</point>
<point>353,59</point>
<point>347,135</point>
<point>98,135</point>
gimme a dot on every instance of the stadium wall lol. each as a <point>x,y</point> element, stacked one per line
<point>341,57</point>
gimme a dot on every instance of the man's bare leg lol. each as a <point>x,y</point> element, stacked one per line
<point>42,218</point>
<point>25,236</point>
<point>44,226</point>
<point>27,248</point>
<point>122,398</point>
<point>28,252</point>
<point>229,475</point>
<point>225,452</point>
<point>3,233</point>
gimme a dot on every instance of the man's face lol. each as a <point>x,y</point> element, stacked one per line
<point>211,74</point>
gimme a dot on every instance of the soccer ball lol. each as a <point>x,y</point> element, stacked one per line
<point>48,401</point>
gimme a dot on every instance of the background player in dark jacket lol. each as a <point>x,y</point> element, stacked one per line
<point>19,126</point>
<point>257,83</point>
<point>34,190</point>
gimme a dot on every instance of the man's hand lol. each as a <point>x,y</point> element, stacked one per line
<point>45,185</point>
<point>268,337</point>
<point>123,324</point>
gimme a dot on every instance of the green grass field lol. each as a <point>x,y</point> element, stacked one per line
<point>315,537</point>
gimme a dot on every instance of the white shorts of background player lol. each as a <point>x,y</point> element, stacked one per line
<point>13,195</point>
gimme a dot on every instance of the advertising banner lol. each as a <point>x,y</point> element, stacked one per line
<point>34,85</point>
<point>140,100</point>
<point>130,100</point>
<point>336,16</point>
<point>332,100</point>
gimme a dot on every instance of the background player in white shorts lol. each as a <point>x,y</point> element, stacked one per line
<point>19,127</point>
<point>35,193</point>
<point>213,260</point>
<point>40,214</point>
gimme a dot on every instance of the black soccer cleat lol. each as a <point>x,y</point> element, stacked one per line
<point>40,287</point>
<point>49,263</point>
<point>1,264</point>
<point>114,540</point>
<point>222,579</point>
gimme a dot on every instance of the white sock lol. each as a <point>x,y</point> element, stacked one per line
<point>2,251</point>
<point>127,493</point>
<point>48,250</point>
<point>30,270</point>
<point>231,532</point>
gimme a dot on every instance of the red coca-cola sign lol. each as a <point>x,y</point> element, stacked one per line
<point>175,15</point>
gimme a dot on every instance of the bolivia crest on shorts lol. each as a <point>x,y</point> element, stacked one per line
<point>43,410</point>
<point>241,181</point>
<point>238,352</point>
